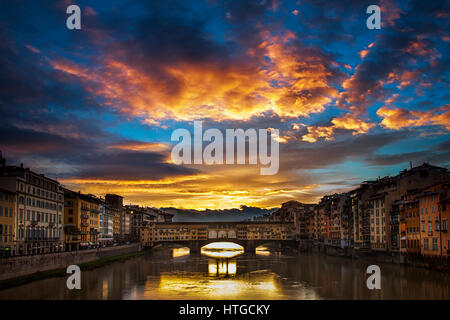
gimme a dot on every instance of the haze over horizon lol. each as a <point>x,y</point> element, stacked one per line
<point>95,108</point>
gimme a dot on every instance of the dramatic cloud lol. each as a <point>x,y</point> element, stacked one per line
<point>280,75</point>
<point>95,108</point>
<point>398,118</point>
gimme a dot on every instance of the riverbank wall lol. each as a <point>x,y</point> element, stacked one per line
<point>377,256</point>
<point>15,267</point>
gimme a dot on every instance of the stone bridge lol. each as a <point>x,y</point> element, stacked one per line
<point>195,235</point>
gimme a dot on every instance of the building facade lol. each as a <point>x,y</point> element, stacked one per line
<point>38,208</point>
<point>81,220</point>
<point>139,218</point>
<point>106,222</point>
<point>187,231</point>
<point>115,203</point>
<point>7,223</point>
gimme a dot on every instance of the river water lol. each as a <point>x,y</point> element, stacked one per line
<point>171,273</point>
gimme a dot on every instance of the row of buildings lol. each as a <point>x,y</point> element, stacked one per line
<point>408,214</point>
<point>38,215</point>
<point>205,231</point>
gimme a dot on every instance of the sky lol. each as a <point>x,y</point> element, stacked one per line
<point>95,108</point>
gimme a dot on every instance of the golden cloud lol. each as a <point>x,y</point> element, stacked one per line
<point>348,122</point>
<point>273,77</point>
<point>398,118</point>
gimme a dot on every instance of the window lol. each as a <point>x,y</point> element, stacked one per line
<point>1,211</point>
<point>435,244</point>
<point>444,225</point>
<point>430,227</point>
<point>425,244</point>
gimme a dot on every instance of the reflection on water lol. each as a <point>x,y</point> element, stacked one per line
<point>180,252</point>
<point>173,274</point>
<point>262,251</point>
<point>196,286</point>
<point>221,267</point>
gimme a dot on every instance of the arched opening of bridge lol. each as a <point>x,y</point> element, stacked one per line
<point>262,250</point>
<point>267,249</point>
<point>222,250</point>
<point>176,250</point>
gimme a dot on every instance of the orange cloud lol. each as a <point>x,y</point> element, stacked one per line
<point>141,146</point>
<point>398,118</point>
<point>363,53</point>
<point>351,122</point>
<point>314,133</point>
<point>348,122</point>
<point>276,78</point>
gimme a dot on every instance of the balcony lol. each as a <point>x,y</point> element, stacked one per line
<point>84,209</point>
<point>34,222</point>
<point>84,216</point>
<point>84,224</point>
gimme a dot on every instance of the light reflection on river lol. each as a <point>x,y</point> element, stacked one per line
<point>171,273</point>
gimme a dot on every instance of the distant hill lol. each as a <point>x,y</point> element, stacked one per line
<point>241,214</point>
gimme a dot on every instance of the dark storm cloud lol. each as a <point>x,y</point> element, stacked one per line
<point>19,141</point>
<point>88,158</point>
<point>436,154</point>
<point>122,165</point>
<point>391,159</point>
<point>328,153</point>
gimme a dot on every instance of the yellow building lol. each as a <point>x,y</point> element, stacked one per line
<point>433,221</point>
<point>81,220</point>
<point>7,225</point>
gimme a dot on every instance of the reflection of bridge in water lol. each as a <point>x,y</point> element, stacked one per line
<point>195,235</point>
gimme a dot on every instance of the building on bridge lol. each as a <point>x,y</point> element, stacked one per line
<point>197,234</point>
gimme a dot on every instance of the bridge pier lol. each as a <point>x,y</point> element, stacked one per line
<point>250,247</point>
<point>194,248</point>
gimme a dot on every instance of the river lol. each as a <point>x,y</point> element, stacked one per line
<point>172,273</point>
